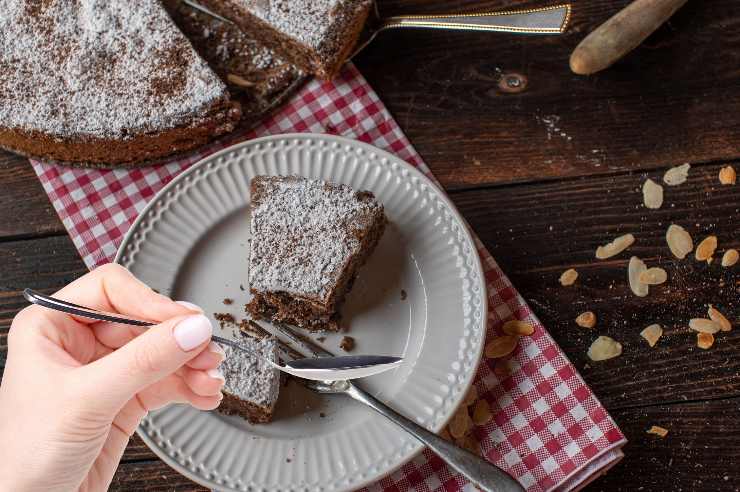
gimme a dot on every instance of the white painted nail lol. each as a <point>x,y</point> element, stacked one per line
<point>190,306</point>
<point>218,350</point>
<point>192,332</point>
<point>216,374</point>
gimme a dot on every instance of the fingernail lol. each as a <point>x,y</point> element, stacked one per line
<point>216,374</point>
<point>192,331</point>
<point>190,306</point>
<point>218,350</point>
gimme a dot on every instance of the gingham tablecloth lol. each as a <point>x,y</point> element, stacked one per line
<point>549,430</point>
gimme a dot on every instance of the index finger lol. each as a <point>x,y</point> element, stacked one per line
<point>113,288</point>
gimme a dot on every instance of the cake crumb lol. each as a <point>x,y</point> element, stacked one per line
<point>322,414</point>
<point>321,339</point>
<point>224,319</point>
<point>228,301</point>
<point>404,295</point>
<point>241,288</point>
<point>287,460</point>
<point>347,344</point>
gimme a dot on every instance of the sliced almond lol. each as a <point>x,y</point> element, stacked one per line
<point>568,277</point>
<point>653,276</point>
<point>719,318</point>
<point>501,346</point>
<point>468,443</point>
<point>703,325</point>
<point>634,270</point>
<point>615,247</point>
<point>470,396</point>
<point>679,241</point>
<point>604,348</point>
<point>652,333</point>
<point>460,423</point>
<point>239,80</point>
<point>503,368</point>
<point>481,413</point>
<point>706,248</point>
<point>658,431</point>
<point>730,257</point>
<point>704,340</point>
<point>727,175</point>
<point>677,175</point>
<point>586,320</point>
<point>517,327</point>
<point>652,194</point>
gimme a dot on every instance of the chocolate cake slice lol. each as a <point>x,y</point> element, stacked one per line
<point>252,385</point>
<point>315,35</point>
<point>309,239</point>
<point>104,82</point>
<point>257,77</point>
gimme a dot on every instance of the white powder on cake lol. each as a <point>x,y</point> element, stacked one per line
<point>249,377</point>
<point>96,68</point>
<point>304,232</point>
<point>311,22</point>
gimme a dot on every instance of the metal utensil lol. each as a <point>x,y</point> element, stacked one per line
<point>485,475</point>
<point>545,20</point>
<point>323,369</point>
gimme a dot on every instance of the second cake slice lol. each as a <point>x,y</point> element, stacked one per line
<point>309,239</point>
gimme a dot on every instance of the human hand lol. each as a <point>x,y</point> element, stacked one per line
<point>74,390</point>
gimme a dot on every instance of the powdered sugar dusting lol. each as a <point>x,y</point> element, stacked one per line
<point>304,232</point>
<point>312,22</point>
<point>250,378</point>
<point>102,68</point>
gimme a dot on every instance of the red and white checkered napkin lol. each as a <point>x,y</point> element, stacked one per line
<point>549,430</point>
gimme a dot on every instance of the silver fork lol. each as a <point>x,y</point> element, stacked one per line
<point>483,474</point>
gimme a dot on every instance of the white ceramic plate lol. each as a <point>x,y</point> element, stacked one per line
<point>191,242</point>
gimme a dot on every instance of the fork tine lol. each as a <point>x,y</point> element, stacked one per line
<point>315,349</point>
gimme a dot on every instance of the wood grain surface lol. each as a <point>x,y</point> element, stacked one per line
<point>544,176</point>
<point>672,100</point>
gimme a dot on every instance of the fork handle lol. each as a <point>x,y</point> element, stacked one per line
<point>483,474</point>
<point>547,20</point>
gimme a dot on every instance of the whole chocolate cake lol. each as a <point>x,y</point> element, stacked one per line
<point>315,35</point>
<point>104,82</point>
<point>309,240</point>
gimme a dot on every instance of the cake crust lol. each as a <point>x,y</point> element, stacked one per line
<point>104,83</point>
<point>309,240</point>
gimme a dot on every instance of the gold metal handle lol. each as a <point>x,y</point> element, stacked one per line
<point>545,20</point>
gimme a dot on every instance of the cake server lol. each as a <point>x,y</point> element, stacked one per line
<point>318,368</point>
<point>544,20</point>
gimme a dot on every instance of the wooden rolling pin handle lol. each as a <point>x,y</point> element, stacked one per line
<point>621,34</point>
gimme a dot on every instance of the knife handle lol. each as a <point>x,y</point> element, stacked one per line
<point>546,20</point>
<point>621,34</point>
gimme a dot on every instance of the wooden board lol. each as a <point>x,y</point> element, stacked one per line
<point>25,209</point>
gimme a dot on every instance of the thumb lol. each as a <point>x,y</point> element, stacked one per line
<point>151,356</point>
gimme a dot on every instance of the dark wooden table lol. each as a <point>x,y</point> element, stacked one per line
<point>546,166</point>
